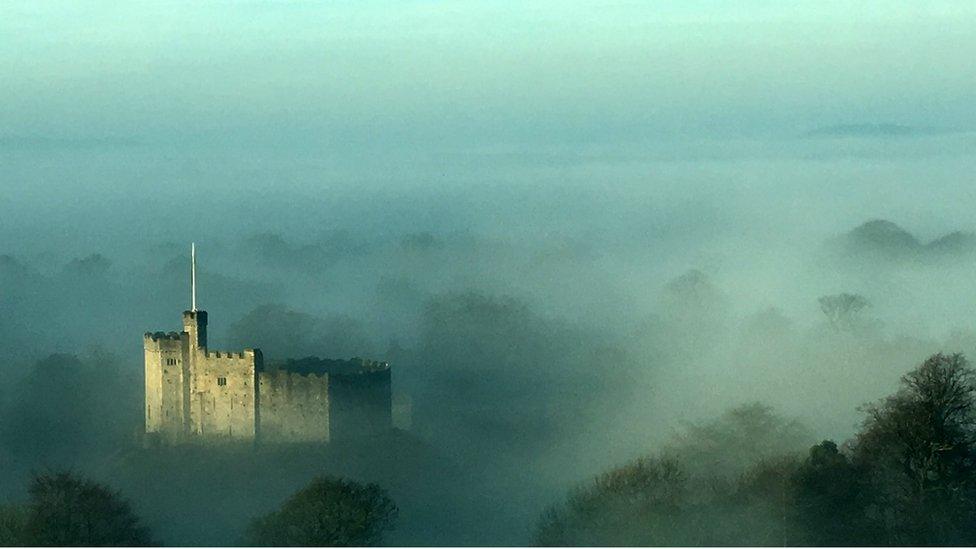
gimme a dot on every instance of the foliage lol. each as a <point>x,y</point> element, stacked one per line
<point>13,525</point>
<point>66,510</point>
<point>51,412</point>
<point>626,506</point>
<point>831,497</point>
<point>328,512</point>
<point>66,405</point>
<point>737,439</point>
<point>724,481</point>
<point>917,447</point>
<point>281,333</point>
<point>478,394</point>
<point>907,478</point>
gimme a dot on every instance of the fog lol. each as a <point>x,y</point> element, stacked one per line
<point>572,231</point>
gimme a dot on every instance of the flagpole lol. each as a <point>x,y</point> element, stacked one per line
<point>193,277</point>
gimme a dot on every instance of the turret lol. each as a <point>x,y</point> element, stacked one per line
<point>195,324</point>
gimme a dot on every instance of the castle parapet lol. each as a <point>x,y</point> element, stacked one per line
<point>352,367</point>
<point>160,336</point>
<point>230,355</point>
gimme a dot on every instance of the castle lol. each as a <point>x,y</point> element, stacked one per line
<point>194,393</point>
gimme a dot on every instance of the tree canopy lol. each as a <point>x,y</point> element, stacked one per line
<point>66,510</point>
<point>330,511</point>
<point>907,478</point>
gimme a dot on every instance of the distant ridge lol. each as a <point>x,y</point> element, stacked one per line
<point>865,130</point>
<point>883,238</point>
<point>882,234</point>
<point>954,242</point>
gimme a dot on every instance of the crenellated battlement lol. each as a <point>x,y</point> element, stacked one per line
<point>367,366</point>
<point>246,354</point>
<point>162,336</point>
<point>313,364</point>
<point>277,375</point>
<point>226,355</point>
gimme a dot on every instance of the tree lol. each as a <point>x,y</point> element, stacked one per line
<point>281,332</point>
<point>761,509</point>
<point>831,497</point>
<point>739,438</point>
<point>478,395</point>
<point>723,482</point>
<point>66,406</point>
<point>637,504</point>
<point>13,525</point>
<point>66,510</point>
<point>917,448</point>
<point>51,414</point>
<point>329,511</point>
<point>842,309</point>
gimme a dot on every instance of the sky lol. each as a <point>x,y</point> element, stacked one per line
<point>485,74</point>
<point>107,107</point>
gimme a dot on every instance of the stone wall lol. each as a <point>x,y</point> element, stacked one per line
<point>165,366</point>
<point>361,403</point>
<point>223,393</point>
<point>293,407</point>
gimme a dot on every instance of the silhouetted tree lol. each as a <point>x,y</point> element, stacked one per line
<point>762,506</point>
<point>739,438</point>
<point>842,309</point>
<point>66,510</point>
<point>692,299</point>
<point>831,497</point>
<point>66,406</point>
<point>328,512</point>
<point>13,525</point>
<point>728,481</point>
<point>478,394</point>
<point>284,333</point>
<point>51,413</point>
<point>638,504</point>
<point>917,447</point>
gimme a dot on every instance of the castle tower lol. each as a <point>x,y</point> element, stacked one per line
<point>195,324</point>
<point>168,367</point>
<point>194,321</point>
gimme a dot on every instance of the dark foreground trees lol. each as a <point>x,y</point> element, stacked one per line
<point>720,481</point>
<point>328,512</point>
<point>917,450</point>
<point>66,510</point>
<point>13,524</point>
<point>907,478</point>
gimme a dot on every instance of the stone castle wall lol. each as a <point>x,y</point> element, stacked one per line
<point>223,396</point>
<point>166,364</point>
<point>361,403</point>
<point>293,407</point>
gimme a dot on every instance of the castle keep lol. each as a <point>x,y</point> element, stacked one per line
<point>194,393</point>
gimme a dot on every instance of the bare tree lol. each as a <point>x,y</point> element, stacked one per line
<point>842,309</point>
<point>66,510</point>
<point>919,449</point>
